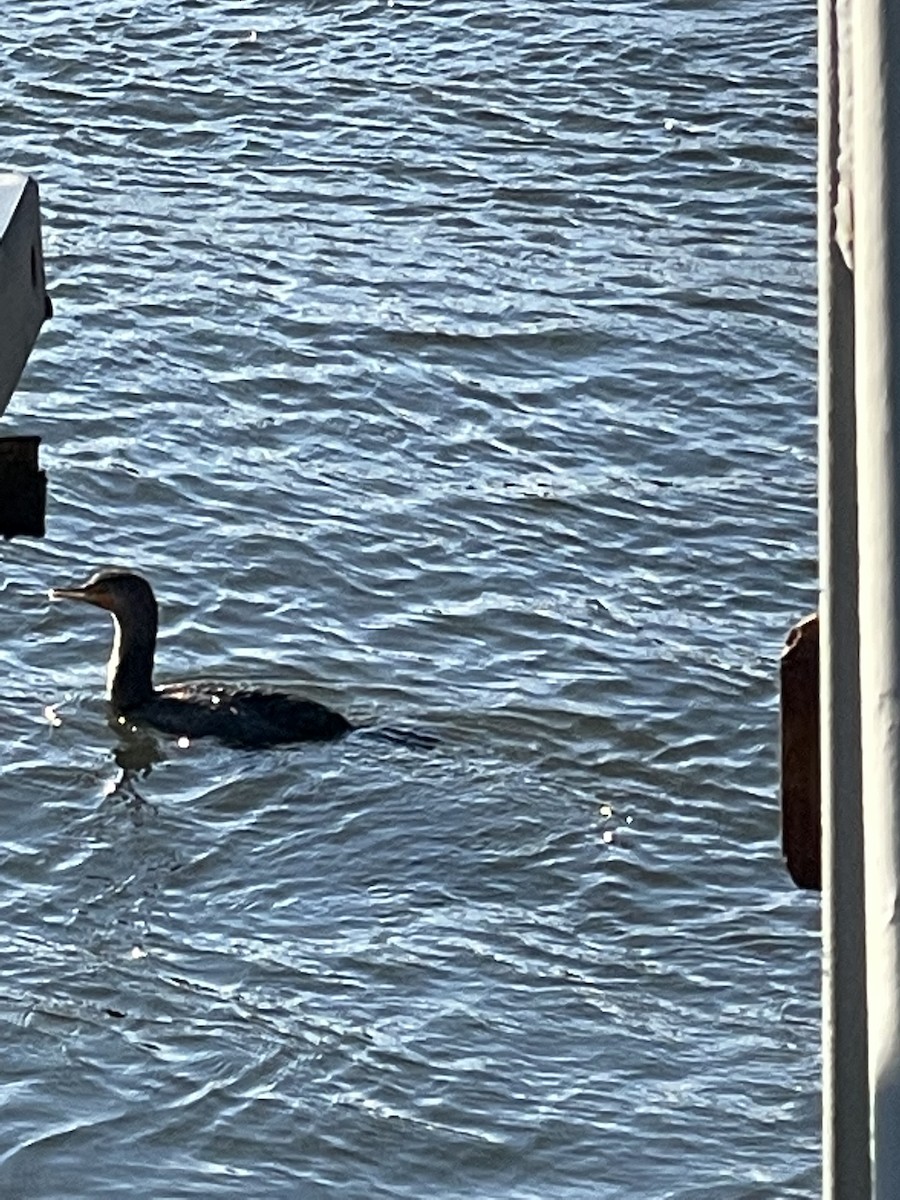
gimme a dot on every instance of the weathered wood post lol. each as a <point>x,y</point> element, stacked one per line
<point>24,306</point>
<point>845,1079</point>
<point>876,236</point>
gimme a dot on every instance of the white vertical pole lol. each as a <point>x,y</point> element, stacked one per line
<point>876,125</point>
<point>845,1082</point>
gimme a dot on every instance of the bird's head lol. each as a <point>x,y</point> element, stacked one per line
<point>115,589</point>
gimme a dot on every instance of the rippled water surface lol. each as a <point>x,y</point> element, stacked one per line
<point>452,364</point>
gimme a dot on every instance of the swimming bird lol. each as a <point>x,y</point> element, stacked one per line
<point>238,716</point>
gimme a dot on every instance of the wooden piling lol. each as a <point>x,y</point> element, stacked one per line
<point>23,488</point>
<point>801,793</point>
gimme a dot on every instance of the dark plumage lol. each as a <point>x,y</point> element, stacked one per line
<point>236,715</point>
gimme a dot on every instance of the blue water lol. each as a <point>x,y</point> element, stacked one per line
<point>454,366</point>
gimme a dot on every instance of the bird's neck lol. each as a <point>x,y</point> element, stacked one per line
<point>129,677</point>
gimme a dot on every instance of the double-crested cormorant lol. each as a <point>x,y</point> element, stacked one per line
<point>236,715</point>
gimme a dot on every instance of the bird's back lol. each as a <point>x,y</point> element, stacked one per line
<point>240,716</point>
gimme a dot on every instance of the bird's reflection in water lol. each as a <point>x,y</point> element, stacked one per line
<point>135,755</point>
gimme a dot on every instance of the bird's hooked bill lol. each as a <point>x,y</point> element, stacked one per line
<point>90,594</point>
<point>67,593</point>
